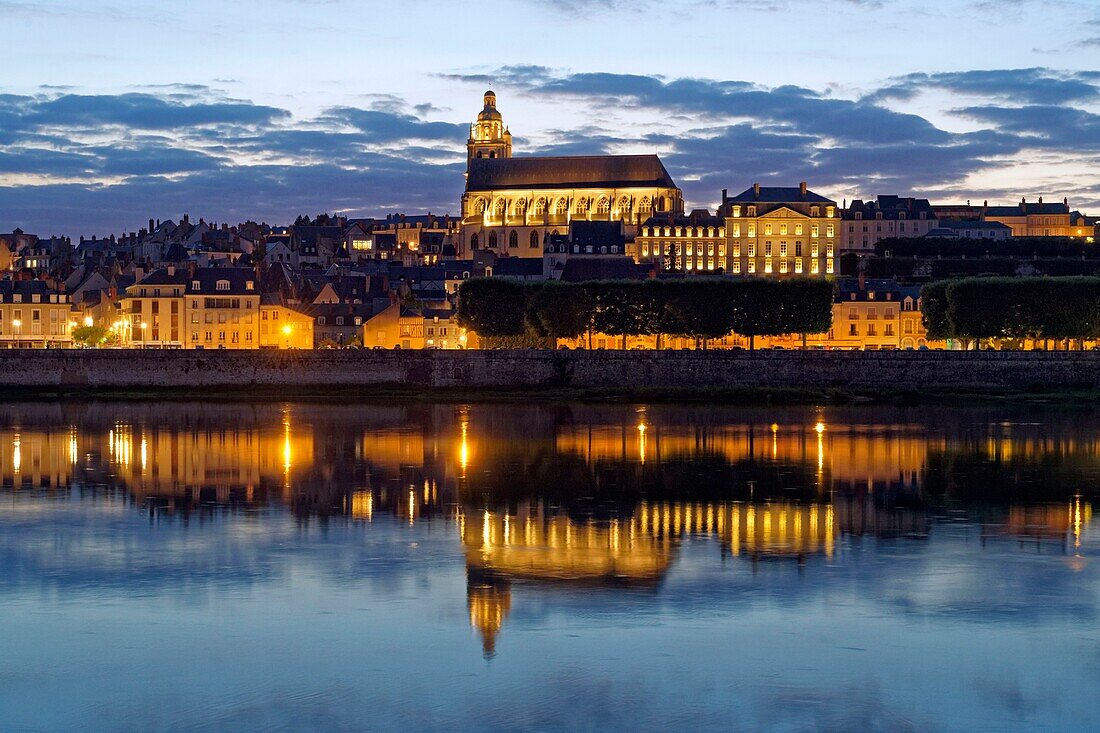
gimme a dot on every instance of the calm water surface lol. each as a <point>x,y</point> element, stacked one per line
<point>305,566</point>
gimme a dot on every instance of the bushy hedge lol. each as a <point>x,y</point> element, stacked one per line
<point>1013,308</point>
<point>701,308</point>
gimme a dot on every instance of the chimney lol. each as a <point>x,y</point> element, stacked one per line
<point>756,191</point>
<point>862,280</point>
<point>1065,202</point>
<point>171,270</point>
<point>802,189</point>
<point>1040,201</point>
<point>186,218</point>
<point>725,194</point>
<point>150,226</point>
<point>191,269</point>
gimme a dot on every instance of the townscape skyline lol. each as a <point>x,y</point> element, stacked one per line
<point>96,141</point>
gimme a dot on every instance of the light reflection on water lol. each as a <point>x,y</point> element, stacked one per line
<point>313,566</point>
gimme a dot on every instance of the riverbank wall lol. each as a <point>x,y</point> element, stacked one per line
<point>526,370</point>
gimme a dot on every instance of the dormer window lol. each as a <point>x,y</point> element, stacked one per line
<point>250,285</point>
<point>859,216</point>
<point>195,285</point>
<point>870,295</point>
<point>752,211</point>
<point>222,285</point>
<point>736,212</point>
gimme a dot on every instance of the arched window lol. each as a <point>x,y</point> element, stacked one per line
<point>492,240</point>
<point>582,206</point>
<point>540,207</point>
<point>603,206</point>
<point>479,206</point>
<point>646,205</point>
<point>563,207</point>
<point>499,207</point>
<point>534,240</point>
<point>624,204</point>
<point>513,239</point>
<point>473,242</point>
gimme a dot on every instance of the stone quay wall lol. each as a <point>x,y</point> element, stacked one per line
<point>519,370</point>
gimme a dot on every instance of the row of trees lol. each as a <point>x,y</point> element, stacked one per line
<point>1014,247</point>
<point>1013,308</point>
<point>699,308</point>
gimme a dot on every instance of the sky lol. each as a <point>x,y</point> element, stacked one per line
<point>115,112</point>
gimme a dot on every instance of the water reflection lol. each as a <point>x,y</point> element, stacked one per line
<point>541,505</point>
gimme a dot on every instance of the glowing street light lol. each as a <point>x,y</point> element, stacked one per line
<point>89,321</point>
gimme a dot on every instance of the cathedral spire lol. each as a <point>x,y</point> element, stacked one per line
<point>489,138</point>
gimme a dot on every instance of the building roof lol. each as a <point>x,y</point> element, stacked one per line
<point>778,195</point>
<point>26,289</point>
<point>1026,209</point>
<point>954,224</point>
<point>526,267</point>
<point>585,171</point>
<point>597,233</point>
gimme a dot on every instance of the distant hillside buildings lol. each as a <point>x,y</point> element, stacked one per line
<point>390,282</point>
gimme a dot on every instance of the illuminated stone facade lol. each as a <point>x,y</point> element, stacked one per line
<point>1035,219</point>
<point>780,231</point>
<point>33,316</point>
<point>205,308</point>
<point>513,205</point>
<point>865,224</point>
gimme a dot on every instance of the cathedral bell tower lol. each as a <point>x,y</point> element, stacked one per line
<point>489,138</point>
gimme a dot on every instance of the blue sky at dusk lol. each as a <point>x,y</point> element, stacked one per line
<point>112,112</point>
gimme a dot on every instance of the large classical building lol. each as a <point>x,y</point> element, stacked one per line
<point>764,230</point>
<point>774,230</point>
<point>1034,220</point>
<point>512,206</point>
<point>866,223</point>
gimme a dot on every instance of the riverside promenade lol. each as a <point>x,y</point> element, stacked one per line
<point>526,370</point>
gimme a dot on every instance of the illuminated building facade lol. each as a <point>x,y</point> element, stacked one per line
<point>1034,219</point>
<point>282,327</point>
<point>198,308</point>
<point>512,206</point>
<point>693,243</point>
<point>780,231</point>
<point>34,316</point>
<point>864,224</point>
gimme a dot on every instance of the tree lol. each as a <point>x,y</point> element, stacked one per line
<point>808,306</point>
<point>617,307</point>
<point>560,311</point>
<point>934,313</point>
<point>702,308</point>
<point>94,336</point>
<point>492,306</point>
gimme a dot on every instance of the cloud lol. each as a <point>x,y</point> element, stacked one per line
<point>79,163</point>
<point>1034,85</point>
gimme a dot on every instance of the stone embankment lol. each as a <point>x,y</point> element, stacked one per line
<point>524,370</point>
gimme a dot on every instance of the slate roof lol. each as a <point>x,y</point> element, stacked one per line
<point>527,267</point>
<point>1027,209</point>
<point>779,195</point>
<point>584,171</point>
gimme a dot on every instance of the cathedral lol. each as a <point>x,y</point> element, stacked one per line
<point>512,206</point>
